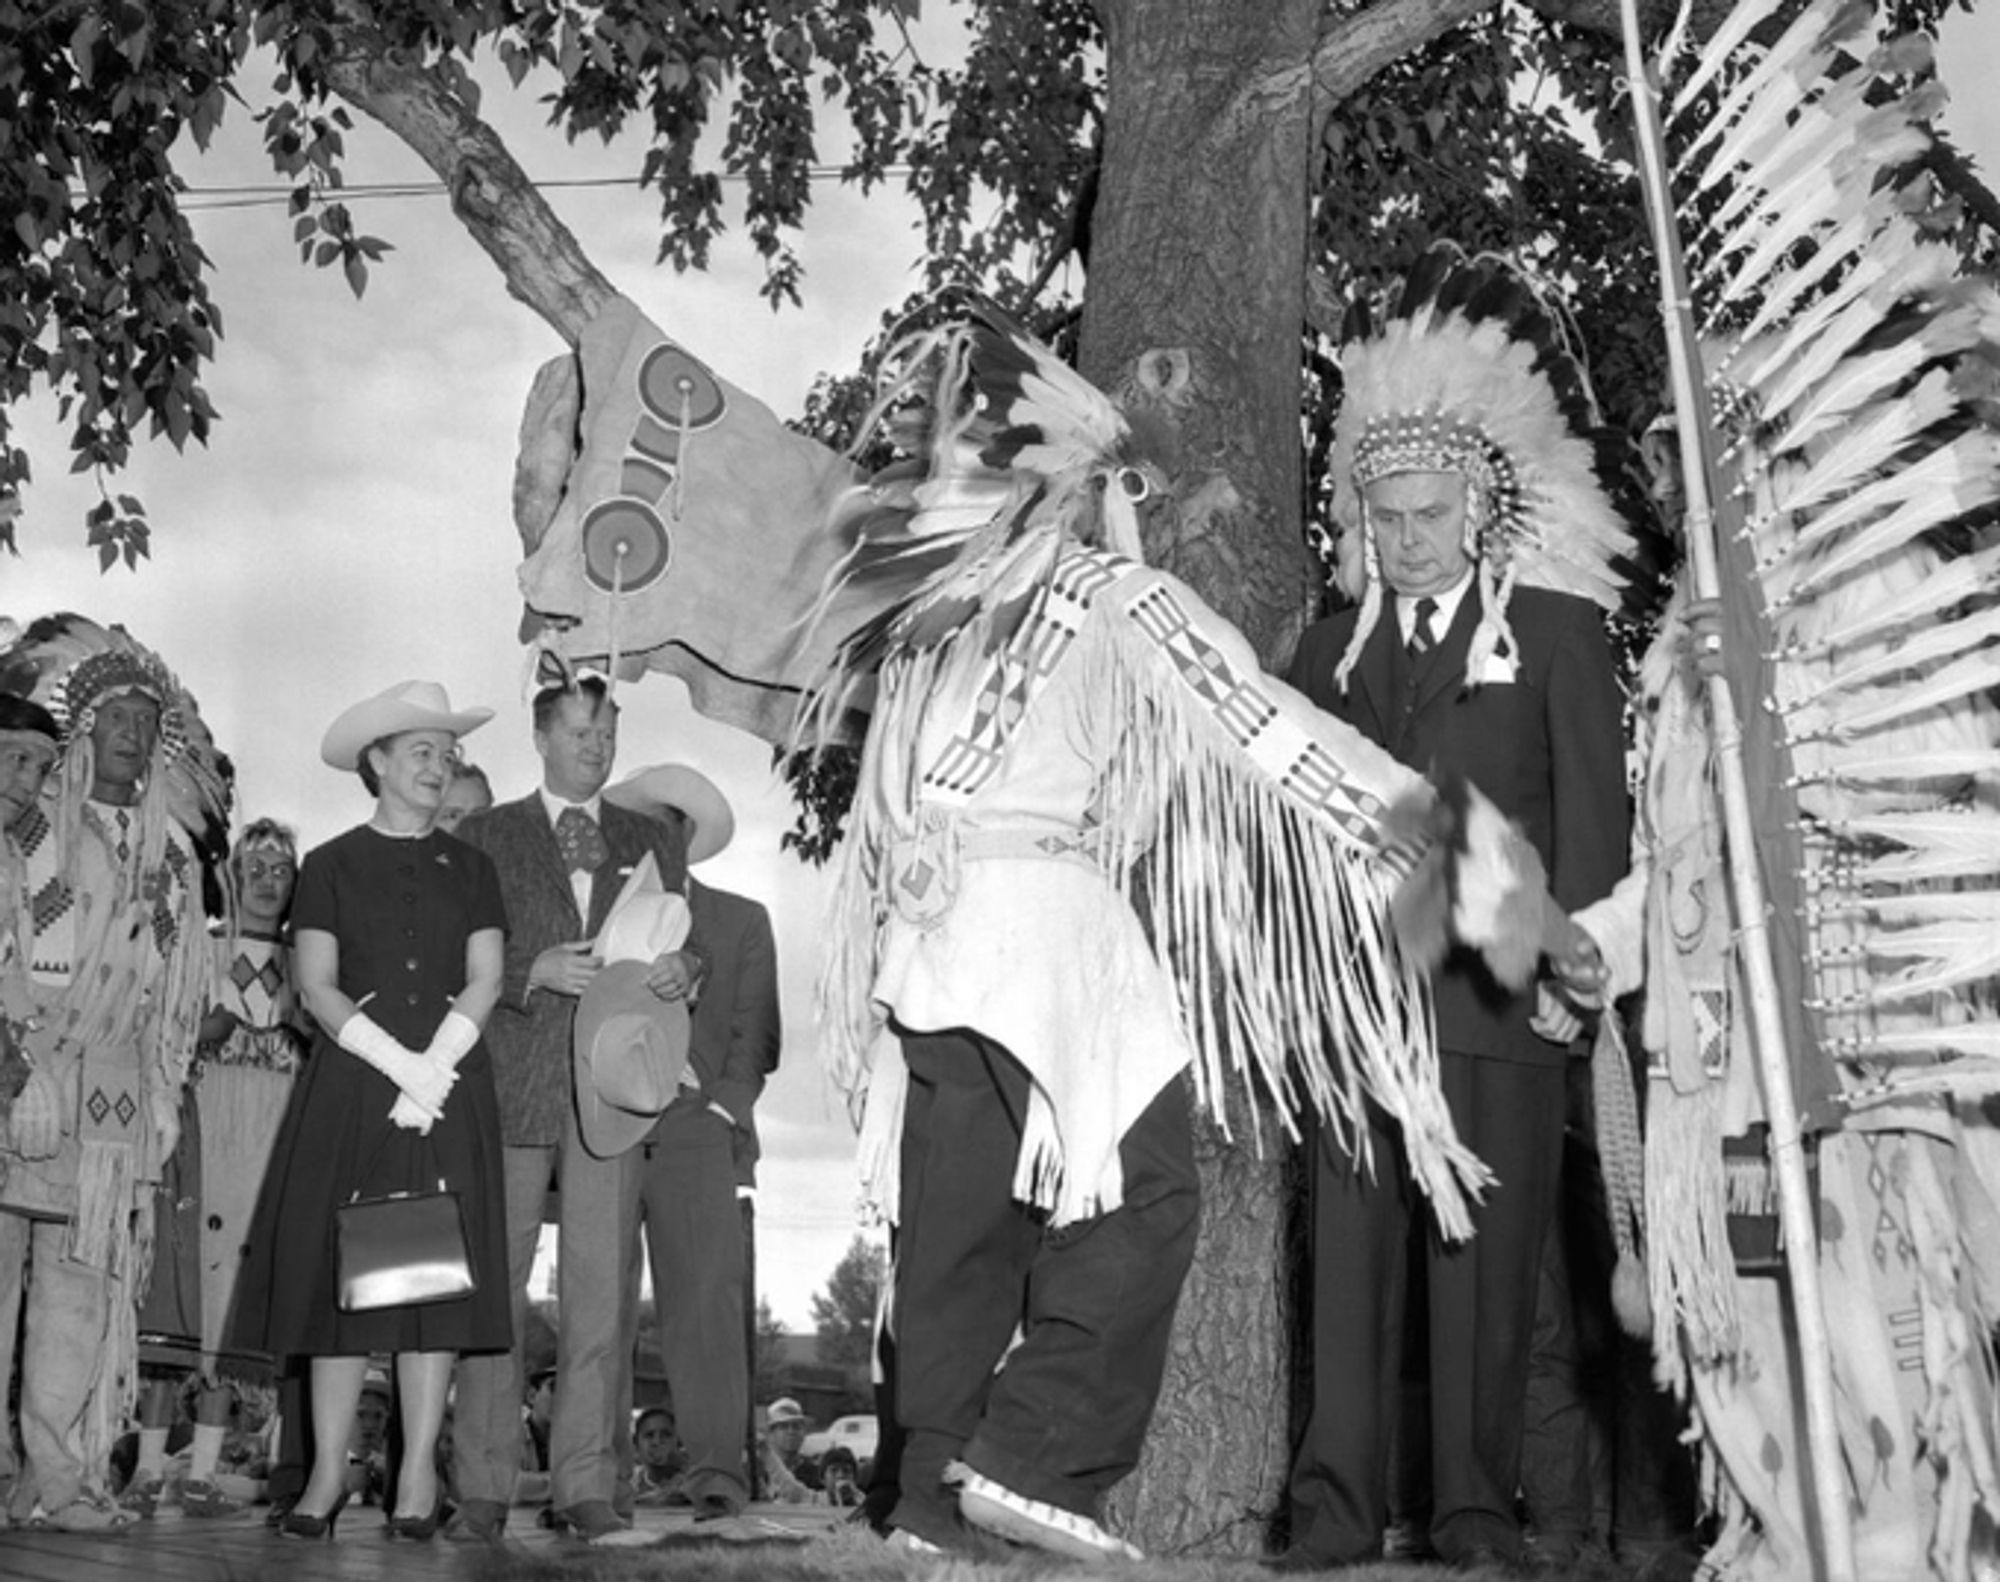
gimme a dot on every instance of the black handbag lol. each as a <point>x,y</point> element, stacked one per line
<point>401,1250</point>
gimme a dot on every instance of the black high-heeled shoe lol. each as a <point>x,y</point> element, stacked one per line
<point>420,1529</point>
<point>295,1523</point>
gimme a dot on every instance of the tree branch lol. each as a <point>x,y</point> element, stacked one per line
<point>1275,82</point>
<point>1957,179</point>
<point>494,198</point>
<point>1357,46</point>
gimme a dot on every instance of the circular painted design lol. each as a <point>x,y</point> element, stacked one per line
<point>625,546</point>
<point>670,378</point>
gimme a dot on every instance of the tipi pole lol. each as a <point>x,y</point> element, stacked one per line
<point>1795,1207</point>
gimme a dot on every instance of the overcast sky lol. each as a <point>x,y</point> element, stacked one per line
<point>349,524</point>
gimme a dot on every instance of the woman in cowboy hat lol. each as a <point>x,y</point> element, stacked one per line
<point>397,929</point>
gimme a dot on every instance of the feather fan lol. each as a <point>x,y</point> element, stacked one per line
<point>1858,445</point>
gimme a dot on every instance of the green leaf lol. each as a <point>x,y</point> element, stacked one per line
<point>83,46</point>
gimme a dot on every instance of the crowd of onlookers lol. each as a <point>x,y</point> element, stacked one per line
<point>409,1005</point>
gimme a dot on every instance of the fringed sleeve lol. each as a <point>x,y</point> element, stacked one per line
<point>1270,898</point>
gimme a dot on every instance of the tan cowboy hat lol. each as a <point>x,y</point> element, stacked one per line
<point>688,791</point>
<point>407,706</point>
<point>628,1054</point>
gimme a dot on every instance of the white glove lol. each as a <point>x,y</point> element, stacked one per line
<point>411,1116</point>
<point>422,1080</point>
<point>450,1044</point>
<point>34,1121</point>
<point>453,1040</point>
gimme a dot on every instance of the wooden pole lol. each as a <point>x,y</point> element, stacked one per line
<point>1795,1209</point>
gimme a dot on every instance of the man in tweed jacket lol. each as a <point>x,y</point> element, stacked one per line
<point>558,887</point>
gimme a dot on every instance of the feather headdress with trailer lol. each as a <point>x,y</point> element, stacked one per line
<point>1011,455</point>
<point>1272,860</point>
<point>1826,338</point>
<point>1468,371</point>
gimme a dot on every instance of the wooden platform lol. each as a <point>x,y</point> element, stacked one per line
<point>241,1549</point>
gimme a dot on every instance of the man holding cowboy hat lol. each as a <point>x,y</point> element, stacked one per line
<point>687,1174</point>
<point>566,856</point>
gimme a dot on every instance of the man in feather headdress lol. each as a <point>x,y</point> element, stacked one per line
<point>1466,478</point>
<point>28,738</point>
<point>117,976</point>
<point>1048,715</point>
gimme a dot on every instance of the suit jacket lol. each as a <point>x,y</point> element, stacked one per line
<point>529,1034</point>
<point>734,1042</point>
<point>1548,748</point>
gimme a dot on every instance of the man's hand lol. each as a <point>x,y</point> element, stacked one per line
<point>565,969</point>
<point>671,976</point>
<point>1704,618</point>
<point>1578,965</point>
<point>34,1122</point>
<point>1555,1019</point>
<point>166,1124</point>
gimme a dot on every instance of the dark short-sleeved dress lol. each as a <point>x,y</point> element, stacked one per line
<point>402,910</point>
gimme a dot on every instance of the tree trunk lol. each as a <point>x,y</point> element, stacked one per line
<point>1196,297</point>
<point>1212,1478</point>
<point>1193,314</point>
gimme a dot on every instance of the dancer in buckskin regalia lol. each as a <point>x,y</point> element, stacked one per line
<point>118,970</point>
<point>1048,714</point>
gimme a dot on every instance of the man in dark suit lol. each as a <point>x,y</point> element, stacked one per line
<point>563,855</point>
<point>681,1183</point>
<point>1521,698</point>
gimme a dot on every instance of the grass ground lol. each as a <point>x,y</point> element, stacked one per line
<point>853,1555</point>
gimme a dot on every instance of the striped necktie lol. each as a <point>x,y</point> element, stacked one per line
<point>1423,637</point>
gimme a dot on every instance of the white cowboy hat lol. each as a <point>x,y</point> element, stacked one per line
<point>407,706</point>
<point>689,792</point>
<point>628,1054</point>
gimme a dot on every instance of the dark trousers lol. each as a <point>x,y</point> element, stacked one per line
<point>1065,1417</point>
<point>883,1485</point>
<point>695,1237</point>
<point>1481,1297</point>
<point>1601,1457</point>
<point>682,1179</point>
